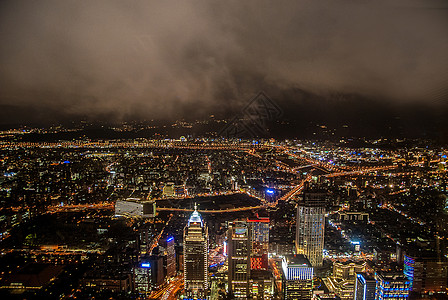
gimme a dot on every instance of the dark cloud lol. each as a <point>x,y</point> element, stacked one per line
<point>156,58</point>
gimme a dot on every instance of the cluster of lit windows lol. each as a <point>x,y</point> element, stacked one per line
<point>386,292</point>
<point>255,263</point>
<point>409,268</point>
<point>299,273</point>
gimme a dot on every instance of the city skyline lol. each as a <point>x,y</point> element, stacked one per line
<point>209,150</point>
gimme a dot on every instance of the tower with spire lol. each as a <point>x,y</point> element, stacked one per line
<point>195,257</point>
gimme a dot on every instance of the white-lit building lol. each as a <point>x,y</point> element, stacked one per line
<point>135,208</point>
<point>310,227</point>
<point>142,277</point>
<point>298,277</point>
<point>196,258</point>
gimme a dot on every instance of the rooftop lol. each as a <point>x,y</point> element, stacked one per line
<point>195,217</point>
<point>297,260</point>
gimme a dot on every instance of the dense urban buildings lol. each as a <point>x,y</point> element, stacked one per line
<point>426,273</point>
<point>219,150</point>
<point>118,219</point>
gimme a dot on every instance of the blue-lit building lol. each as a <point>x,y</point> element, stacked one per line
<point>427,274</point>
<point>297,277</point>
<point>365,286</point>
<point>392,286</point>
<point>409,264</point>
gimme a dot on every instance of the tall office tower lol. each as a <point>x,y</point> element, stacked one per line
<point>143,276</point>
<point>259,227</point>
<point>391,286</point>
<point>364,287</point>
<point>239,238</point>
<point>169,256</point>
<point>426,273</point>
<point>195,257</point>
<point>157,273</point>
<point>310,227</point>
<point>145,234</point>
<point>298,277</point>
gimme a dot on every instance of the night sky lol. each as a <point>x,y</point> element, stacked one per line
<point>367,63</point>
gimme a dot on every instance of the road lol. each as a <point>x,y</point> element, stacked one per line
<point>169,291</point>
<point>277,274</point>
<point>297,189</point>
<point>155,242</point>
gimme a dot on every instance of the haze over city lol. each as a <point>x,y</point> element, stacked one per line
<point>115,61</point>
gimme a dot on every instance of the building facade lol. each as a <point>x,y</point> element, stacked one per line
<point>196,258</point>
<point>259,227</point>
<point>391,286</point>
<point>297,277</point>
<point>427,274</point>
<point>239,251</point>
<point>365,286</point>
<point>169,257</point>
<point>143,277</point>
<point>310,227</point>
<point>342,282</point>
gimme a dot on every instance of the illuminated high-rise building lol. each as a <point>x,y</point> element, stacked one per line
<point>391,286</point>
<point>365,286</point>
<point>169,256</point>
<point>143,277</point>
<point>310,227</point>
<point>259,227</point>
<point>343,280</point>
<point>145,234</point>
<point>196,257</point>
<point>426,274</point>
<point>239,244</point>
<point>297,277</point>
<point>157,273</point>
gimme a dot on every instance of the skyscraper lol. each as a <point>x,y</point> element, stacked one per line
<point>259,227</point>
<point>239,239</point>
<point>426,273</point>
<point>196,257</point>
<point>143,276</point>
<point>169,256</point>
<point>364,287</point>
<point>298,277</point>
<point>145,234</point>
<point>310,227</point>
